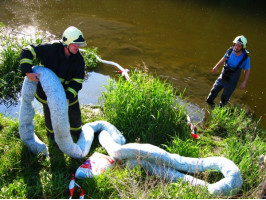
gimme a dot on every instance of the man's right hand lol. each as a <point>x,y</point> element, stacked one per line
<point>33,76</point>
<point>214,69</point>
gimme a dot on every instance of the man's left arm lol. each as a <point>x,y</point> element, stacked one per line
<point>243,84</point>
<point>75,84</point>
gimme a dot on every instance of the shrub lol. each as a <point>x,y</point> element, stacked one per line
<point>89,55</point>
<point>144,109</point>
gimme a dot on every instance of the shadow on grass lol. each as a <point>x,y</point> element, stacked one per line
<point>49,178</point>
<point>45,178</point>
<point>30,169</point>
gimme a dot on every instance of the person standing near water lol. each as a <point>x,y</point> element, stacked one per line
<point>65,60</point>
<point>235,58</point>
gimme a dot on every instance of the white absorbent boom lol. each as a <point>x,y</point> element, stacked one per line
<point>57,103</point>
<point>167,165</point>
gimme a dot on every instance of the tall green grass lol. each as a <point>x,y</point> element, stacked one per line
<point>243,141</point>
<point>144,109</point>
<point>228,121</point>
<point>90,59</point>
<point>10,76</point>
<point>136,183</point>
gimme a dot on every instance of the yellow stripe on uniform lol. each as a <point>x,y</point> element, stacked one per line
<point>62,80</point>
<point>40,99</point>
<point>75,129</point>
<point>49,130</point>
<point>32,51</point>
<point>78,80</point>
<point>26,60</point>
<point>71,104</point>
<point>72,91</point>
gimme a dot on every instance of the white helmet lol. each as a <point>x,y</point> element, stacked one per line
<point>72,35</point>
<point>241,40</point>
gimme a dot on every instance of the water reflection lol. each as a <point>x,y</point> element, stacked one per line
<point>13,111</point>
<point>92,88</point>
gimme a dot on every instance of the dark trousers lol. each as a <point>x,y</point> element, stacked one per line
<point>225,95</point>
<point>74,114</point>
<point>228,86</point>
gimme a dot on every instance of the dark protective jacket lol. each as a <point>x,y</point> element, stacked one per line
<point>70,70</point>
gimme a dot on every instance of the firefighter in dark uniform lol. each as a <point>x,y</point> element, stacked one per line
<point>65,60</point>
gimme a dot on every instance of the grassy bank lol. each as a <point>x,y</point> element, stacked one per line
<point>144,111</point>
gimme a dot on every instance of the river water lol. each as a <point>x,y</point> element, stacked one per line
<point>180,40</point>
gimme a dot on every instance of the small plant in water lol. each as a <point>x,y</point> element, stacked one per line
<point>89,55</point>
<point>10,76</point>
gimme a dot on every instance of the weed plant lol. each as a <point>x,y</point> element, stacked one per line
<point>144,109</point>
<point>10,75</point>
<point>228,121</point>
<point>188,147</point>
<point>137,183</point>
<point>89,55</point>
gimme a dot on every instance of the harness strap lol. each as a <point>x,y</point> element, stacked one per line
<point>229,51</point>
<point>243,59</point>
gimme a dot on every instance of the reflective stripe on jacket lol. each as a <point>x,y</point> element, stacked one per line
<point>70,71</point>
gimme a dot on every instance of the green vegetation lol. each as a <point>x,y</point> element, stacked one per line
<point>144,109</point>
<point>10,48</point>
<point>90,58</point>
<point>243,141</point>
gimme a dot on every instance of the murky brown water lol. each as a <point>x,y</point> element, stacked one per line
<point>178,39</point>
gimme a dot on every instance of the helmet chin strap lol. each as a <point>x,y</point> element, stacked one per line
<point>71,54</point>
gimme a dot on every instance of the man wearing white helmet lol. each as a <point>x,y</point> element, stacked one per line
<point>234,60</point>
<point>65,60</point>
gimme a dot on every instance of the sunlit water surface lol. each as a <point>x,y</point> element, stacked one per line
<point>175,39</point>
